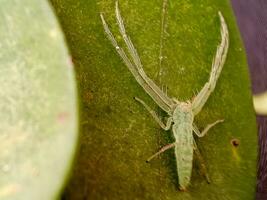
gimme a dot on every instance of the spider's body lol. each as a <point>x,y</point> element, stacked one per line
<point>181,114</point>
<point>183,133</point>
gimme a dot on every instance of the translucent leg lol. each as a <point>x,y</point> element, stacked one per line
<point>154,115</point>
<point>202,163</point>
<point>168,146</point>
<point>137,61</point>
<point>136,68</point>
<point>217,65</point>
<point>205,131</point>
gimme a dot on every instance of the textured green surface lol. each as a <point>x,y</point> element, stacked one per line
<point>118,135</point>
<point>38,114</point>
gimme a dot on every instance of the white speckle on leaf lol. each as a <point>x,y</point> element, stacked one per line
<point>5,168</point>
<point>53,33</point>
<point>9,189</point>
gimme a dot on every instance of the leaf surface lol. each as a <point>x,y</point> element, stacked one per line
<point>118,133</point>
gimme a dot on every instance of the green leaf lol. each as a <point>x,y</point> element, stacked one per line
<point>38,108</point>
<point>118,134</point>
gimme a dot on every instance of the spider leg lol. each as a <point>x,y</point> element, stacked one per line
<point>202,162</point>
<point>217,65</point>
<point>168,146</point>
<point>138,65</point>
<point>205,131</point>
<point>134,71</point>
<point>154,115</point>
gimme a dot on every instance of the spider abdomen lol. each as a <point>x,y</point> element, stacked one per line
<point>183,152</point>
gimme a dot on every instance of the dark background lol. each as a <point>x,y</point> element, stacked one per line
<point>251,16</point>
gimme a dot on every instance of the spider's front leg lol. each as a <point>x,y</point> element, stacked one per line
<point>135,66</point>
<point>217,65</point>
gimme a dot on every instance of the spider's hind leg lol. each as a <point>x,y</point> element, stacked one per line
<point>203,167</point>
<point>163,149</point>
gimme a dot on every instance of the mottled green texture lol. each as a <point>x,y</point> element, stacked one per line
<point>118,134</point>
<point>38,111</point>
